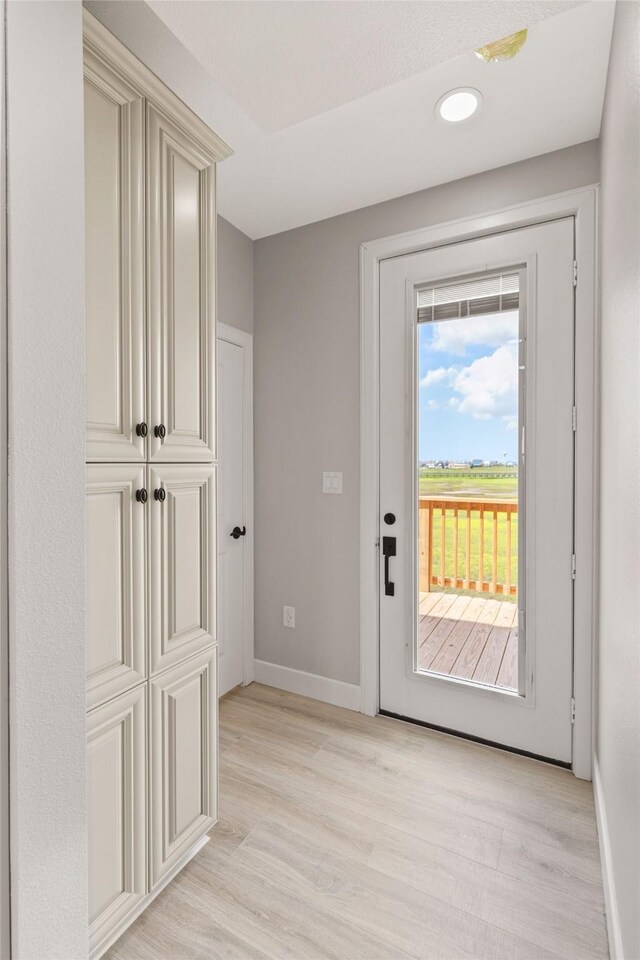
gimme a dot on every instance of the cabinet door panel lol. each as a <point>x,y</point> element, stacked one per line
<point>181,271</point>
<point>116,622</point>
<point>182,614</point>
<point>116,758</point>
<point>183,780</point>
<point>114,232</point>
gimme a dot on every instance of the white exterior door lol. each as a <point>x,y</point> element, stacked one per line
<point>182,562</point>
<point>534,716</point>
<point>181,272</point>
<point>234,533</point>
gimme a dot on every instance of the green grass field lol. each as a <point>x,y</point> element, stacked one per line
<point>483,483</point>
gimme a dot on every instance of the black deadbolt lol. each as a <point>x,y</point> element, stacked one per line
<point>390,518</point>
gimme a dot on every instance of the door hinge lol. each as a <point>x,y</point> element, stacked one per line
<point>573,709</point>
<point>574,419</point>
<point>573,566</point>
<point>575,273</point>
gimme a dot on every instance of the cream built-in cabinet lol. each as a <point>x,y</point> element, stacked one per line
<point>116,579</point>
<point>114,251</point>
<point>150,511</point>
<point>182,557</point>
<point>183,759</point>
<point>117,791</point>
<point>181,263</point>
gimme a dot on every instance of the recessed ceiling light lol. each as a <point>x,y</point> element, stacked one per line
<point>458,104</point>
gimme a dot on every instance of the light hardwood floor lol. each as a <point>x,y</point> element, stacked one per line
<point>342,836</point>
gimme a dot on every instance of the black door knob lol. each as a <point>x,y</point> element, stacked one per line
<point>141,429</point>
<point>160,431</point>
<point>236,533</point>
<point>160,494</point>
<point>141,496</point>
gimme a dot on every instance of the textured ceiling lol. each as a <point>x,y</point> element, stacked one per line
<point>283,62</point>
<point>387,142</point>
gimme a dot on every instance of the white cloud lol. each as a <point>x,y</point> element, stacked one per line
<point>488,387</point>
<point>492,330</point>
<point>437,376</point>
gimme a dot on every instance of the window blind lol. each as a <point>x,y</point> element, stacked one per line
<point>469,299</point>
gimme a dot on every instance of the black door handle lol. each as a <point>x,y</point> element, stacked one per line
<point>236,533</point>
<point>388,550</point>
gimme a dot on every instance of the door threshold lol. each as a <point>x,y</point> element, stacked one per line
<point>469,736</point>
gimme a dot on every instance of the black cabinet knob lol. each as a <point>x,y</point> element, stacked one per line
<point>141,496</point>
<point>141,429</point>
<point>160,494</point>
<point>160,431</point>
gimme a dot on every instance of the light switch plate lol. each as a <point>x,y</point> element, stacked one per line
<point>332,481</point>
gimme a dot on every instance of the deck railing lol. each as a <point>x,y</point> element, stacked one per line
<point>468,544</point>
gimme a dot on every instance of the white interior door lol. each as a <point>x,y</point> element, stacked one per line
<point>419,643</point>
<point>234,508</point>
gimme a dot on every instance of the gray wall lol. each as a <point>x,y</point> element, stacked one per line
<point>618,725</point>
<point>306,329</point>
<point>234,277</point>
<point>46,480</point>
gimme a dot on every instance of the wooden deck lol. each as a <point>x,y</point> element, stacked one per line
<point>473,638</point>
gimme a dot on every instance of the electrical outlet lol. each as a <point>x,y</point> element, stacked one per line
<point>288,616</point>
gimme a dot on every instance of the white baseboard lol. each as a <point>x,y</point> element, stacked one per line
<point>337,692</point>
<point>610,901</point>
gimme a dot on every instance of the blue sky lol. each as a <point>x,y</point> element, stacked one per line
<point>468,394</point>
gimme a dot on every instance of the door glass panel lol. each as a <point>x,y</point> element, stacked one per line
<point>470,373</point>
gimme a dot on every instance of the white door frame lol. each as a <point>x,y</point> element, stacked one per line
<point>242,339</point>
<point>582,205</point>
<point>5,946</point>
